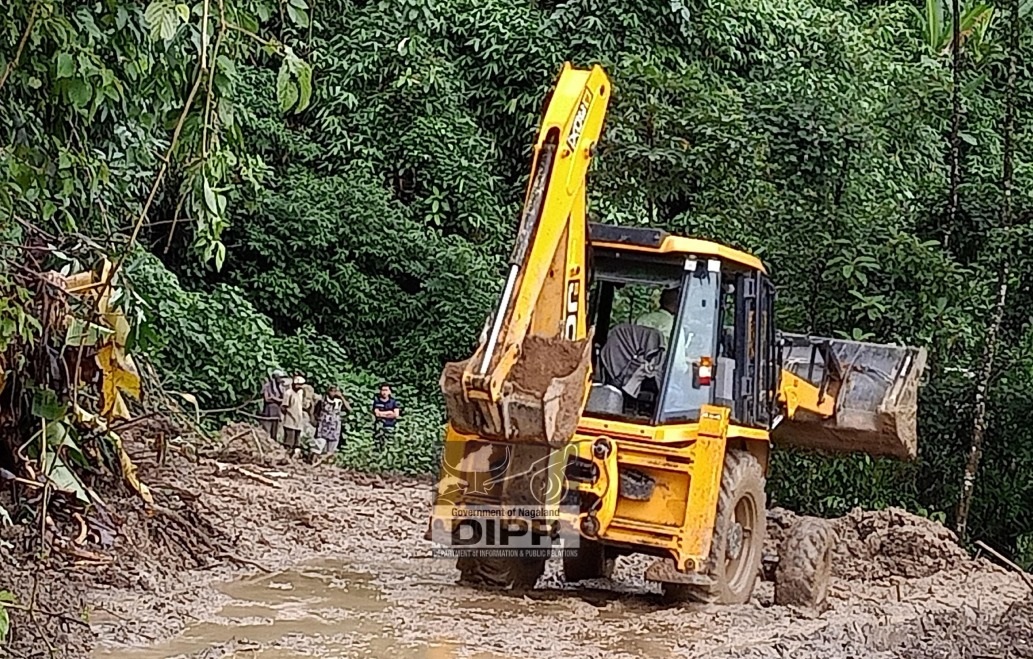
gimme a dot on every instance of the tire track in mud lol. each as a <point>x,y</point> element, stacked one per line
<point>351,576</point>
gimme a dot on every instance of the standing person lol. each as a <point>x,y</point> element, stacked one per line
<point>311,399</point>
<point>272,401</point>
<point>293,415</point>
<point>328,413</point>
<point>385,414</point>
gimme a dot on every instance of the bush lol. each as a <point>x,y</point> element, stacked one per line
<point>213,345</point>
<point>217,347</point>
<point>415,448</point>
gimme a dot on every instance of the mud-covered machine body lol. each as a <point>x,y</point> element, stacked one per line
<point>627,428</point>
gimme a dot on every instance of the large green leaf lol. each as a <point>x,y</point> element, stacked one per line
<point>286,90</point>
<point>62,438</point>
<point>85,333</point>
<point>162,19</point>
<point>62,477</point>
<point>65,65</point>
<point>297,15</point>
<point>305,85</point>
<point>5,621</point>
<point>79,92</point>
<point>46,405</point>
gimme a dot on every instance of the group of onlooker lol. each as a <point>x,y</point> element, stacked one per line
<point>295,415</point>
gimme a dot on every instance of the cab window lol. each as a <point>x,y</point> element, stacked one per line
<point>694,344</point>
<point>630,291</point>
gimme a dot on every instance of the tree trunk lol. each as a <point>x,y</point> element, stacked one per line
<point>979,421</point>
<point>975,450</point>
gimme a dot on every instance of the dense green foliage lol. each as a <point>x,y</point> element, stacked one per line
<point>95,102</point>
<point>365,233</point>
<point>107,102</point>
<point>814,135</point>
<point>217,347</point>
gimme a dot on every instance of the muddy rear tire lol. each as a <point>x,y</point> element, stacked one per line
<point>591,562</point>
<point>805,565</point>
<point>733,564</point>
<point>500,573</point>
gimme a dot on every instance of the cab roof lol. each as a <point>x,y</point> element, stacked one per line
<point>658,241</point>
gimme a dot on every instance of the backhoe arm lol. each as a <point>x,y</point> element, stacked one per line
<point>544,294</point>
<point>544,290</point>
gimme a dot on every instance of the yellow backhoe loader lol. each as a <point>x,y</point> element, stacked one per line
<point>592,423</point>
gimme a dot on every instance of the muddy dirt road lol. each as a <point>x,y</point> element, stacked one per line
<point>332,564</point>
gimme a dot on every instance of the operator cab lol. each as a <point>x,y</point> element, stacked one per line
<point>678,324</point>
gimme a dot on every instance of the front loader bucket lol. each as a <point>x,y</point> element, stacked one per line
<point>876,391</point>
<point>541,400</point>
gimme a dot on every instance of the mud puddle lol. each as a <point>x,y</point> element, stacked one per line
<point>321,608</point>
<point>331,608</point>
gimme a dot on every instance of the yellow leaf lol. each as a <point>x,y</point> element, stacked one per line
<point>120,368</point>
<point>116,379</point>
<point>129,470</point>
<point>79,282</point>
<point>115,407</point>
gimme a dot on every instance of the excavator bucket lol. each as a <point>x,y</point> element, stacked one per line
<point>875,387</point>
<point>541,400</point>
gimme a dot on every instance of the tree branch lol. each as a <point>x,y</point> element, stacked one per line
<point>21,45</point>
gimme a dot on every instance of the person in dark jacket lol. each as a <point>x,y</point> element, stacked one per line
<point>271,417</point>
<point>386,411</point>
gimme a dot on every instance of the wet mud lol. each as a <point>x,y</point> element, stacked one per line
<point>340,569</point>
<point>542,398</point>
<point>542,360</point>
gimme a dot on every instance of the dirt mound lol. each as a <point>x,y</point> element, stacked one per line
<point>177,533</point>
<point>875,545</point>
<point>122,542</point>
<point>887,543</point>
<point>1017,626</point>
<point>543,360</point>
<point>967,631</point>
<point>244,443</point>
